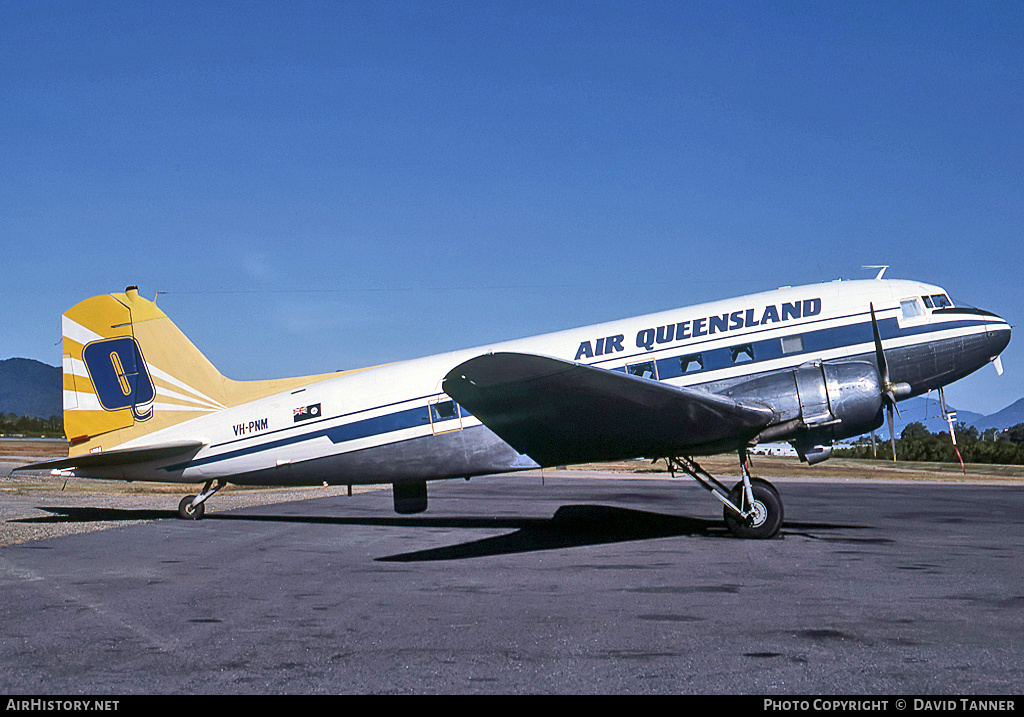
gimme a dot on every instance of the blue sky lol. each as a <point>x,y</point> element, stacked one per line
<point>314,186</point>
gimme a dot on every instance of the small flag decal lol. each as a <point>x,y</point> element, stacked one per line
<point>306,412</point>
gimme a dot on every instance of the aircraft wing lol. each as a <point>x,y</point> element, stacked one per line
<point>559,412</point>
<point>121,457</point>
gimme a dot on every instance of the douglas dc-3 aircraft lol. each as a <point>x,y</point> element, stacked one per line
<point>809,365</point>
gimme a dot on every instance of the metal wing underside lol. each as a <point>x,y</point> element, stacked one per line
<point>558,412</point>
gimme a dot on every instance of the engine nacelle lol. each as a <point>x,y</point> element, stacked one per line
<point>817,403</point>
<point>855,397</point>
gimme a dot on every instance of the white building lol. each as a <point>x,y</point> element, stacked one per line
<point>773,449</point>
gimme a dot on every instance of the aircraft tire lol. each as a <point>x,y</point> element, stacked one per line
<point>190,514</point>
<point>767,519</point>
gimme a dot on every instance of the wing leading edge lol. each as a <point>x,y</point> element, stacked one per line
<point>559,412</point>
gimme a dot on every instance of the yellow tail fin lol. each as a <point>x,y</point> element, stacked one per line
<point>129,371</point>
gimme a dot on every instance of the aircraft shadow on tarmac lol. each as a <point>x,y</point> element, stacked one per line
<point>570,526</point>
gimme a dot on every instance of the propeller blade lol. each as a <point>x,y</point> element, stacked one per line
<point>883,368</point>
<point>892,431</point>
<point>888,391</point>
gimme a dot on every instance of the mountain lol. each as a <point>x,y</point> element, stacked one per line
<point>1009,416</point>
<point>30,388</point>
<point>929,412</point>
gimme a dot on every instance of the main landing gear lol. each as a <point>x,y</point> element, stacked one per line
<point>753,508</point>
<point>192,507</point>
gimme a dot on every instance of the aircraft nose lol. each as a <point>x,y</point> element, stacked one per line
<point>998,335</point>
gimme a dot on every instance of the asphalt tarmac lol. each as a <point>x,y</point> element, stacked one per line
<point>527,584</point>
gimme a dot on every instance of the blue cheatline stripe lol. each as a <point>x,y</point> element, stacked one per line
<point>388,423</point>
<point>815,342</point>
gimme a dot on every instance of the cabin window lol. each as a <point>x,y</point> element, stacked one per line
<point>644,370</point>
<point>742,354</point>
<point>443,411</point>
<point>691,363</point>
<point>792,344</point>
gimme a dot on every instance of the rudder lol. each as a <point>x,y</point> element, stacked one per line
<point>124,368</point>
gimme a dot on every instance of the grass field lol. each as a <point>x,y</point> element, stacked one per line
<point>33,447</point>
<point>791,467</point>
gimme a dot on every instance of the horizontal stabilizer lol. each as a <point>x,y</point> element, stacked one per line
<point>559,412</point>
<point>121,457</point>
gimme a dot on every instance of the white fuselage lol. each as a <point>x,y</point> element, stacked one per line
<point>338,430</point>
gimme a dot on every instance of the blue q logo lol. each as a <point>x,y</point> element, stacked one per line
<point>119,374</point>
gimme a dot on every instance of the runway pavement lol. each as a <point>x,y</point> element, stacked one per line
<point>521,584</point>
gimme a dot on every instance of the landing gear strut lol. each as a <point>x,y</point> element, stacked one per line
<point>192,507</point>
<point>753,508</point>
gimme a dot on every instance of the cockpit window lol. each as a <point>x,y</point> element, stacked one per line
<point>937,301</point>
<point>911,308</point>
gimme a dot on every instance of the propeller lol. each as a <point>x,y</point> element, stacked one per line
<point>890,391</point>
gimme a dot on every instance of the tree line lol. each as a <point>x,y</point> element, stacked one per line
<point>52,427</point>
<point>917,443</point>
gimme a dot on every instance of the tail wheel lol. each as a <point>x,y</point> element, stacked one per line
<point>765,517</point>
<point>186,511</point>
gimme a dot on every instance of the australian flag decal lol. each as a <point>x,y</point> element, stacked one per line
<point>301,414</point>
